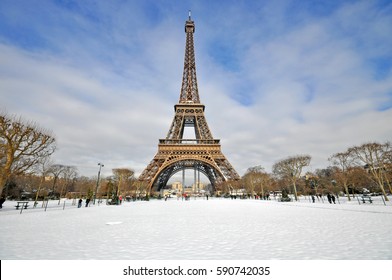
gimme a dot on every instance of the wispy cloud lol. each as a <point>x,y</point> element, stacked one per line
<point>277,78</point>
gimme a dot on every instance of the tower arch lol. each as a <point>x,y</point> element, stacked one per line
<point>206,167</point>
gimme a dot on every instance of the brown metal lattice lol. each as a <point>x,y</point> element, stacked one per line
<point>202,153</point>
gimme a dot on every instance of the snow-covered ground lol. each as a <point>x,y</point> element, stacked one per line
<point>200,229</point>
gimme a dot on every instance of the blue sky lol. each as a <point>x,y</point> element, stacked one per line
<point>292,77</point>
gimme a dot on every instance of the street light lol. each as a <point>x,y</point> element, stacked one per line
<point>96,188</point>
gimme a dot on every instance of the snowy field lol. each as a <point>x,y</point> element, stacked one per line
<point>217,229</point>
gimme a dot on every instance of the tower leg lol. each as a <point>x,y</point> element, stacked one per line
<point>194,179</point>
<point>183,181</point>
<point>198,181</point>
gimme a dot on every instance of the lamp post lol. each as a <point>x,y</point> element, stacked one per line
<point>96,188</point>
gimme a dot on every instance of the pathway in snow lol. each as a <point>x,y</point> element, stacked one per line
<point>199,229</point>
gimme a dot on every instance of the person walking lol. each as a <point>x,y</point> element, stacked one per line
<point>87,201</point>
<point>333,199</point>
<point>80,203</point>
<point>329,197</point>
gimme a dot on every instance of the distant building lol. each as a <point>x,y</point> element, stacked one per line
<point>177,186</point>
<point>198,187</point>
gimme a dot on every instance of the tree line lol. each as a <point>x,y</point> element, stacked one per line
<point>26,169</point>
<point>364,167</point>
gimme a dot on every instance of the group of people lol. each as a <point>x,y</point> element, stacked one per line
<point>261,197</point>
<point>331,198</point>
<point>117,201</point>
<point>80,202</point>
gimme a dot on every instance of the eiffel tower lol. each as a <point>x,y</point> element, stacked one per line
<point>175,153</point>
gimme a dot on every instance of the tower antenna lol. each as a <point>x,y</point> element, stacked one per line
<point>189,14</point>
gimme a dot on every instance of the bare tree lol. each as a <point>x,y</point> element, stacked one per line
<point>360,179</point>
<point>316,181</point>
<point>69,175</point>
<point>22,146</point>
<point>388,174</point>
<point>42,169</point>
<point>139,188</point>
<point>328,179</point>
<point>124,178</point>
<point>109,187</point>
<point>374,157</point>
<point>55,170</point>
<point>387,166</point>
<point>256,180</point>
<point>291,168</point>
<point>84,186</point>
<point>344,161</point>
<point>234,186</point>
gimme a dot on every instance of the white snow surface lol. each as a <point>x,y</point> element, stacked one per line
<point>214,229</point>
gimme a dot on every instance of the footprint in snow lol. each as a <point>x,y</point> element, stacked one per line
<point>113,223</point>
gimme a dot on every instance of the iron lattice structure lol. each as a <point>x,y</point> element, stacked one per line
<point>176,153</point>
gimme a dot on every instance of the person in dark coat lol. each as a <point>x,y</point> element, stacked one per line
<point>329,198</point>
<point>87,201</point>
<point>2,200</point>
<point>313,199</point>
<point>333,199</point>
<point>80,203</point>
